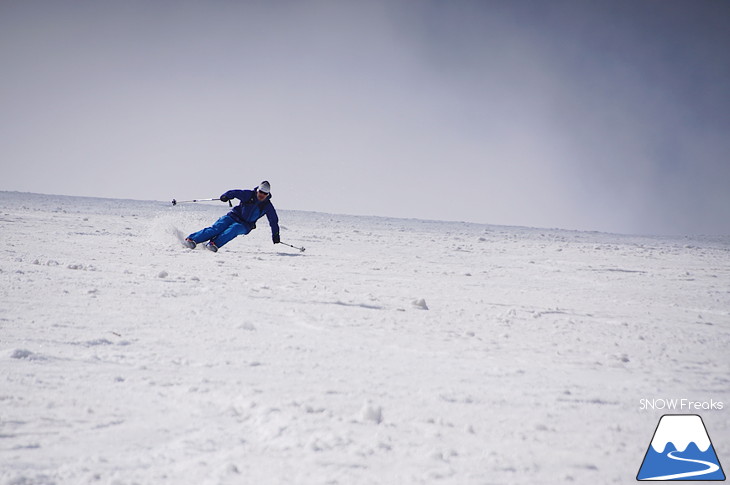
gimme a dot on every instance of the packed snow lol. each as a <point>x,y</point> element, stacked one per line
<point>389,352</point>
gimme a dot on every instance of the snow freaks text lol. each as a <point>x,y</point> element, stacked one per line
<point>680,405</point>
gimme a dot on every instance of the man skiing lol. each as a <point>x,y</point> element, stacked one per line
<point>240,220</point>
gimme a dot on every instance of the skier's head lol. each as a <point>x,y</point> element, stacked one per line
<point>263,190</point>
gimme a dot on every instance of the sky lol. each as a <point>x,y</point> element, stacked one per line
<point>603,116</point>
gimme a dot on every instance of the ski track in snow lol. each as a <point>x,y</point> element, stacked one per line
<point>391,351</point>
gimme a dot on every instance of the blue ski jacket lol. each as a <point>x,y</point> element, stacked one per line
<point>250,210</point>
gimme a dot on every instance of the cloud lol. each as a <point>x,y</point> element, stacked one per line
<point>552,114</point>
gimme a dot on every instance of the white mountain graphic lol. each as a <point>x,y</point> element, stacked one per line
<point>680,430</point>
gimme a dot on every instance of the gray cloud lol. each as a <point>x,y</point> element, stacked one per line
<point>607,116</point>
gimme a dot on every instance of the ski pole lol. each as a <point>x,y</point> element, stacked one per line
<point>176,202</point>
<point>285,244</point>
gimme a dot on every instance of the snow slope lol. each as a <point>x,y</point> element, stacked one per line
<point>391,351</point>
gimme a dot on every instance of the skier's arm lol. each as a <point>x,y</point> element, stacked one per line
<point>236,194</point>
<point>273,222</point>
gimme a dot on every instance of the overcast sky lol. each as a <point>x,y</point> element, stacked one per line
<point>591,115</point>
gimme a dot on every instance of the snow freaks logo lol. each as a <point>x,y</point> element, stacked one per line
<point>680,405</point>
<point>681,450</point>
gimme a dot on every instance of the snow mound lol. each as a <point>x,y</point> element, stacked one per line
<point>371,413</point>
<point>25,354</point>
<point>420,304</point>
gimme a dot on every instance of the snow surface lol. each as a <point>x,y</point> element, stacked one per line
<point>391,351</point>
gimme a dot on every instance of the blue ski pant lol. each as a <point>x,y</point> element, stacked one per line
<point>221,232</point>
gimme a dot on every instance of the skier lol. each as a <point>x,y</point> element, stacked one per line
<point>240,220</point>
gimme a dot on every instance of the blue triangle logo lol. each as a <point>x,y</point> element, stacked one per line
<point>681,450</point>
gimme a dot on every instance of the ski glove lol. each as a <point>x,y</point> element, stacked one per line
<point>224,198</point>
<point>276,239</point>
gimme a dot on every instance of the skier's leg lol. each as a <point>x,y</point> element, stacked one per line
<point>217,228</point>
<point>235,229</point>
